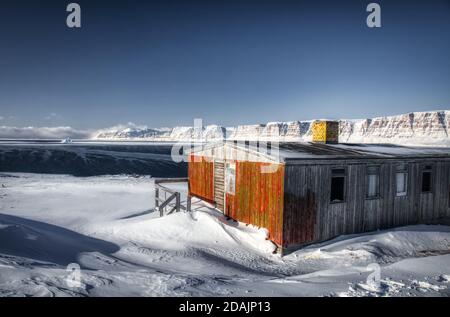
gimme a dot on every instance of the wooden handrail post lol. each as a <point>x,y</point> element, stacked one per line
<point>161,204</point>
<point>178,202</point>
<point>156,197</point>
<point>188,203</point>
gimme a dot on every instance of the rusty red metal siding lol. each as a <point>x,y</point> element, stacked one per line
<point>258,199</point>
<point>201,178</point>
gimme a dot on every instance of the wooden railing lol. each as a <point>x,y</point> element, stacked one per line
<point>172,199</point>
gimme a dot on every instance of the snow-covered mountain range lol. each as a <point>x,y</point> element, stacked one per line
<point>426,128</point>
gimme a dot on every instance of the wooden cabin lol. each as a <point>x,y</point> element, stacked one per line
<point>311,192</point>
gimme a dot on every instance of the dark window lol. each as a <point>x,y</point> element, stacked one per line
<point>373,182</point>
<point>426,178</point>
<point>337,185</point>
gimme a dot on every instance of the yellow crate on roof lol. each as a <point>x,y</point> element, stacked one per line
<point>319,131</point>
<point>325,131</point>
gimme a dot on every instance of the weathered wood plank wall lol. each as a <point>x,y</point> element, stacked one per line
<point>309,216</point>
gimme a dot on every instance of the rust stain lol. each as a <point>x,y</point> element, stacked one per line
<point>258,199</point>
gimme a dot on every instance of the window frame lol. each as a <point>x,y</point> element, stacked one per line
<point>230,175</point>
<point>427,168</point>
<point>402,168</point>
<point>448,202</point>
<point>368,173</point>
<point>343,174</point>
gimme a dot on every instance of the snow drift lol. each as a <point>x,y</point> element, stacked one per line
<point>107,225</point>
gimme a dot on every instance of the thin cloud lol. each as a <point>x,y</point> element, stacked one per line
<point>43,133</point>
<point>52,116</point>
<point>120,127</point>
<point>8,132</point>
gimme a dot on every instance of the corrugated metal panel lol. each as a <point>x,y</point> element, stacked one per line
<point>201,178</point>
<point>259,198</point>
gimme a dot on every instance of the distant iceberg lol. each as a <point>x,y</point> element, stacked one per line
<point>67,140</point>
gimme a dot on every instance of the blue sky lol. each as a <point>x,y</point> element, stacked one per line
<point>163,63</point>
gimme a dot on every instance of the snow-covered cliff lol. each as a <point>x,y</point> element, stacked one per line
<point>162,134</point>
<point>413,128</point>
<point>422,128</point>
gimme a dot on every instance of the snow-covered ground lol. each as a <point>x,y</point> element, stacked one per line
<point>108,227</point>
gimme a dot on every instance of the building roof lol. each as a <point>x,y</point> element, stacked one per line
<point>296,151</point>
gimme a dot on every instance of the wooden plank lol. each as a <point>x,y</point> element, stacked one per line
<point>161,200</point>
<point>170,180</point>
<point>165,189</point>
<point>164,204</point>
<point>172,210</point>
<point>156,198</point>
<point>357,213</point>
<point>178,202</point>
